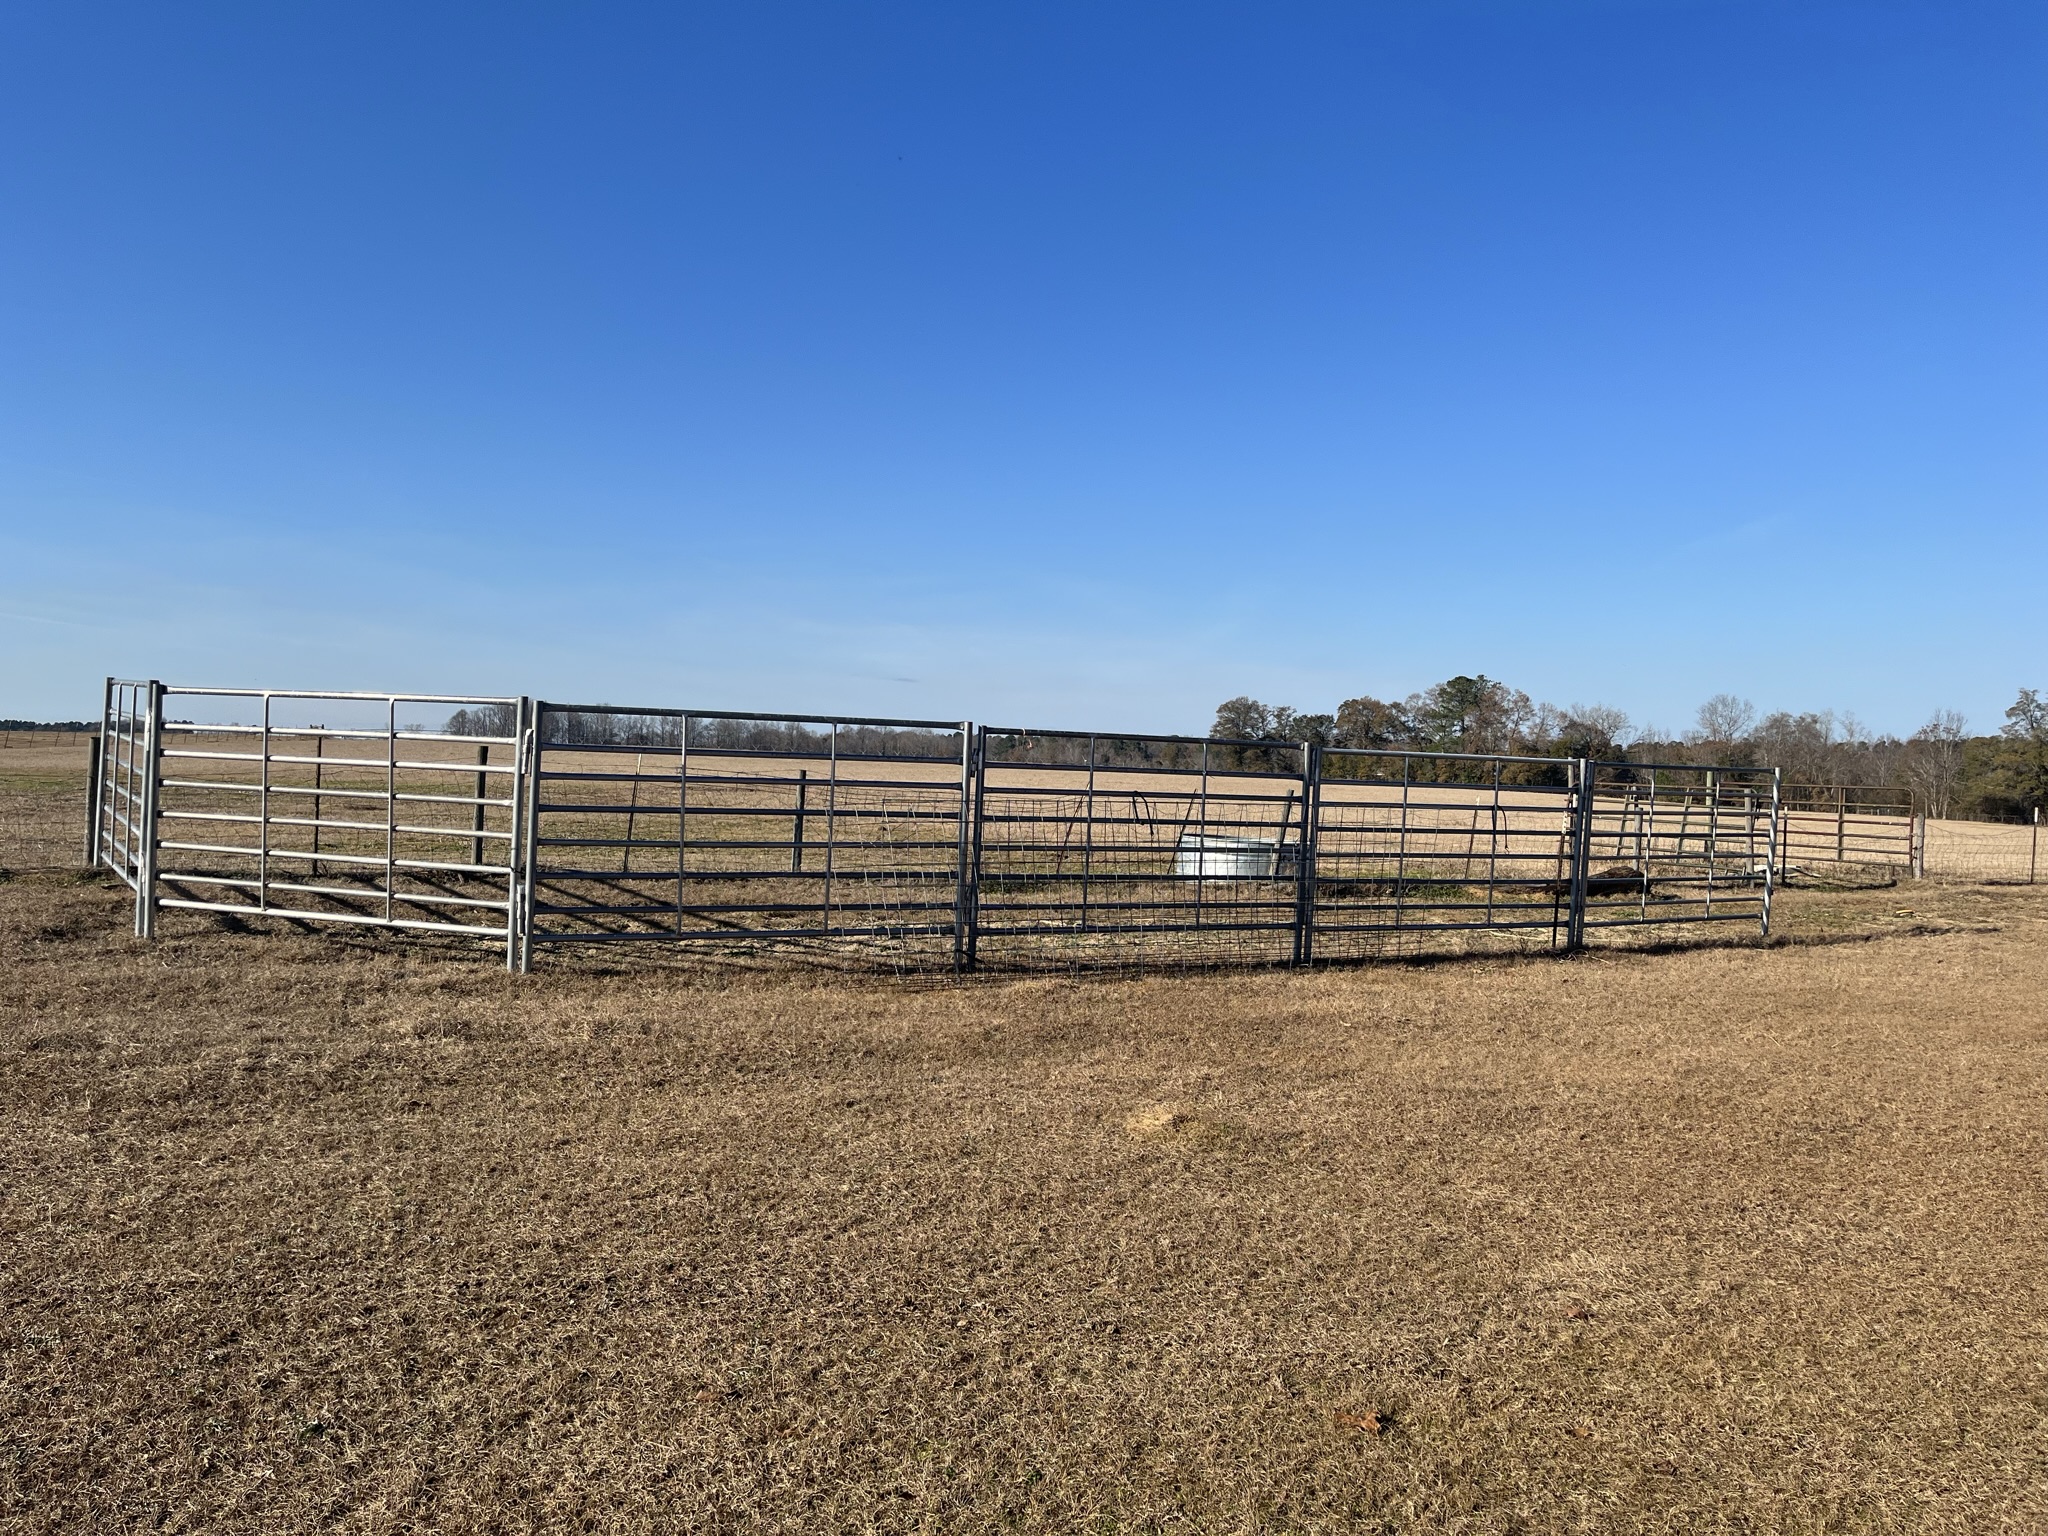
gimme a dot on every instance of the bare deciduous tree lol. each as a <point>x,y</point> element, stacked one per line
<point>1801,746</point>
<point>484,720</point>
<point>1724,719</point>
<point>1934,761</point>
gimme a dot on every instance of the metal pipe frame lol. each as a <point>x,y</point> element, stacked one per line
<point>258,779</point>
<point>743,862</point>
<point>1679,878</point>
<point>1172,847</point>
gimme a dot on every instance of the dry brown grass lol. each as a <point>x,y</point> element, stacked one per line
<point>333,1232</point>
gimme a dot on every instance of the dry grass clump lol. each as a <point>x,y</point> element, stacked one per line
<point>335,1232</point>
<point>1179,1124</point>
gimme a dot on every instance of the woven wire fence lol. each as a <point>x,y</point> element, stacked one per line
<point>2007,852</point>
<point>725,833</point>
<point>42,800</point>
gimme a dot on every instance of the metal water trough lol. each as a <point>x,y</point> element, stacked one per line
<point>1213,856</point>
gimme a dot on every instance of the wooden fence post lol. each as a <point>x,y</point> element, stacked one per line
<point>92,804</point>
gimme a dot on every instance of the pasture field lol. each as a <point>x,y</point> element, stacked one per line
<point>345,1233</point>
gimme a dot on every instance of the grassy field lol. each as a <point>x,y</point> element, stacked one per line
<point>332,1232</point>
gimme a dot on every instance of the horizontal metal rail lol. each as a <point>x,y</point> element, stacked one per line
<point>349,892</point>
<point>310,915</point>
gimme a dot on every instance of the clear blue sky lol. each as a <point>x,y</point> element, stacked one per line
<point>1053,364</point>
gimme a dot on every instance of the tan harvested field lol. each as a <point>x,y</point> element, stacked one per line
<point>336,1232</point>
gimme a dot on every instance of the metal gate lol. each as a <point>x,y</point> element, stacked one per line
<point>240,802</point>
<point>1672,843</point>
<point>707,828</point>
<point>1441,852</point>
<point>124,768</point>
<point>1164,848</point>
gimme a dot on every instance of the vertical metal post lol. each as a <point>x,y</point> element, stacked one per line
<point>682,821</point>
<point>1581,855</point>
<point>1841,822</point>
<point>980,773</point>
<point>1493,846</point>
<point>92,806</point>
<point>1771,864</point>
<point>963,877</point>
<point>2034,847</point>
<point>1305,854</point>
<point>796,842</point>
<point>390,809</point>
<point>518,920</point>
<point>526,802</point>
<point>1646,843</point>
<point>1202,839</point>
<point>1401,845</point>
<point>831,831</point>
<point>145,870</point>
<point>319,783</point>
<point>1713,831</point>
<point>138,742</point>
<point>263,815</point>
<point>1088,834</point>
<point>483,781</point>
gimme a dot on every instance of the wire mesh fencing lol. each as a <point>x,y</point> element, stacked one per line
<point>1090,848</point>
<point>1870,834</point>
<point>42,821</point>
<point>724,830</point>
<point>1996,852</point>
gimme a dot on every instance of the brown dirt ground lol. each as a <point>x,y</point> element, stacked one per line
<point>332,1232</point>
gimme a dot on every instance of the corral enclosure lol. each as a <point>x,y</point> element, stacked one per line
<point>908,843</point>
<point>323,1232</point>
